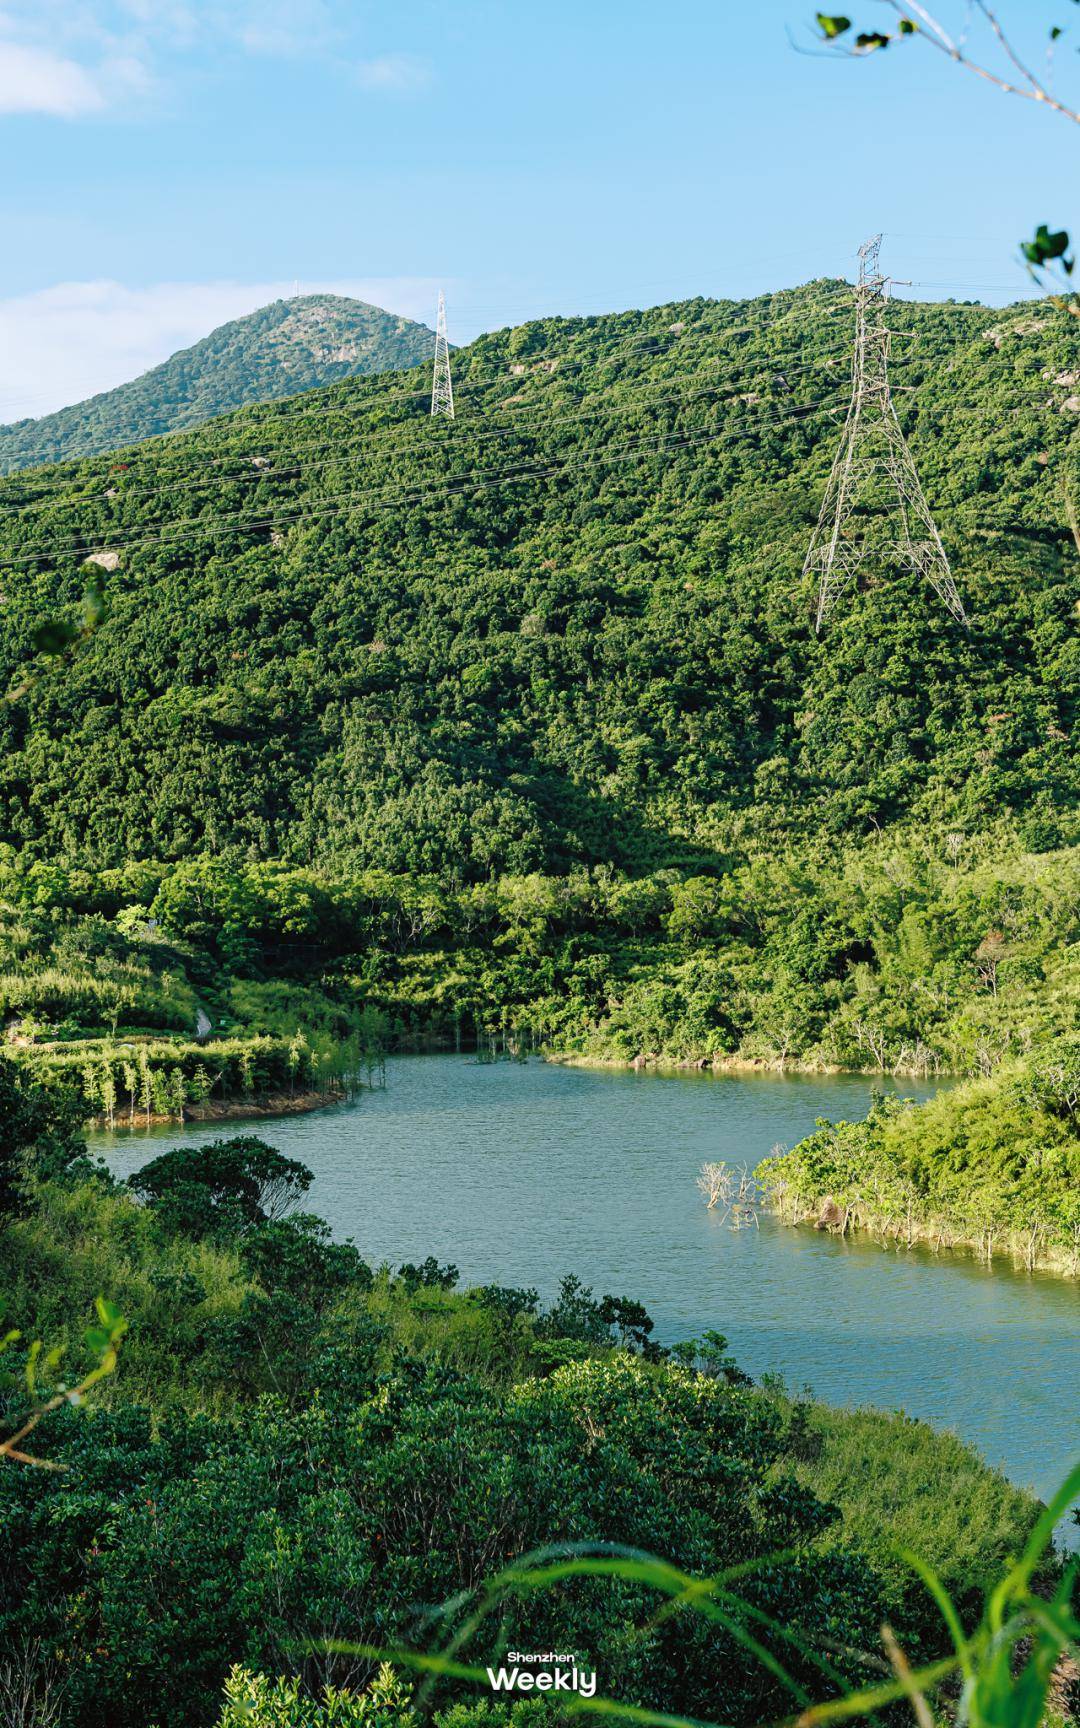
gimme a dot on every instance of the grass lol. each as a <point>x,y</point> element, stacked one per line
<point>902,1485</point>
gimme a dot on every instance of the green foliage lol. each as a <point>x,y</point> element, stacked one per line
<point>39,1134</point>
<point>909,952</point>
<point>1007,1665</point>
<point>253,1701</point>
<point>507,764</point>
<point>984,1163</point>
<point>100,999</point>
<point>1047,248</point>
<point>469,681</point>
<point>429,1275</point>
<point>709,1354</point>
<point>235,1497</point>
<point>247,1543</point>
<point>901,1485</point>
<point>30,1395</point>
<point>280,350</point>
<point>222,1189</point>
<point>298,1257</point>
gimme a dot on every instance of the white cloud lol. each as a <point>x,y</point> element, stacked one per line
<point>288,28</point>
<point>75,58</point>
<point>62,344</point>
<point>397,74</point>
<point>36,81</point>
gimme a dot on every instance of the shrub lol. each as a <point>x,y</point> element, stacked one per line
<point>221,1189</point>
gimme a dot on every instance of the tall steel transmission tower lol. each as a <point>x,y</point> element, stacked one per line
<point>874,511</point>
<point>442,390</point>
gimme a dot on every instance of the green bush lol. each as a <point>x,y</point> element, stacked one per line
<point>253,1701</point>
<point>221,1189</point>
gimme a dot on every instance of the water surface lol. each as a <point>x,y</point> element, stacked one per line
<point>521,1173</point>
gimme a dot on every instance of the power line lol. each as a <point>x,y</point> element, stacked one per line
<point>280,411</point>
<point>338,504</point>
<point>276,415</point>
<point>529,419</point>
<point>504,310</point>
<point>199,524</point>
<point>375,399</point>
<point>531,316</point>
<point>629,401</point>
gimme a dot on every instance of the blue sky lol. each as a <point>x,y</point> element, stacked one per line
<point>176,162</point>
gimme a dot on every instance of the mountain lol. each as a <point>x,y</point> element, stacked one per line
<point>280,350</point>
<point>568,628</point>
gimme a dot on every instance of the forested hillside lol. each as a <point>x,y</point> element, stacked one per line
<point>519,723</point>
<point>280,350</point>
<point>568,628</point>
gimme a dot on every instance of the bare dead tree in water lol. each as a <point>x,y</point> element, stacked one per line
<point>730,1191</point>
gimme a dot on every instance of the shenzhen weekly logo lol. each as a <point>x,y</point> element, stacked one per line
<point>543,1671</point>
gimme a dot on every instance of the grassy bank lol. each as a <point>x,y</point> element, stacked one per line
<point>134,1083</point>
<point>890,954</point>
<point>269,1404</point>
<point>993,1165</point>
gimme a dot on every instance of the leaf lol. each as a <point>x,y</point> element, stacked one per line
<point>55,636</point>
<point>111,1319</point>
<point>31,1366</point>
<point>1054,245</point>
<point>868,40</point>
<point>1046,248</point>
<point>1055,32</point>
<point>833,25</point>
<point>908,27</point>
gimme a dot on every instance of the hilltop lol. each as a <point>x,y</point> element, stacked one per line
<point>280,350</point>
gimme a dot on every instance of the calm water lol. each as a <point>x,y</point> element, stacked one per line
<point>519,1174</point>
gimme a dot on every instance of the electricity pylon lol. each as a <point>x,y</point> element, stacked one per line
<point>442,391</point>
<point>874,510</point>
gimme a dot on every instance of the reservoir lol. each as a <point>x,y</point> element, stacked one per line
<point>519,1173</point>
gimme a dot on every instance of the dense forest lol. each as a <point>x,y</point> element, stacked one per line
<point>360,725</point>
<point>280,350</point>
<point>567,629</point>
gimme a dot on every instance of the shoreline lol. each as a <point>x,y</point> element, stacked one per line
<point>734,1065</point>
<point>222,1110</point>
<point>822,1213</point>
<point>938,1235</point>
